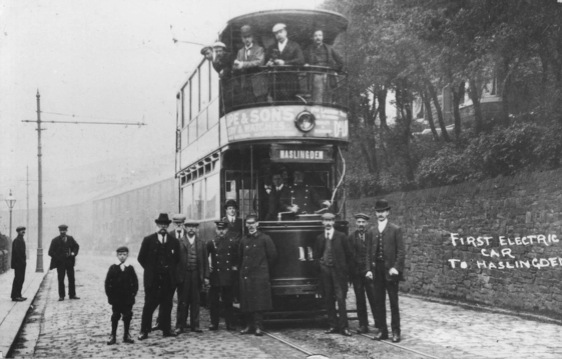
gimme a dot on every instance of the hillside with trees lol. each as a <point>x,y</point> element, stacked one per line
<point>413,50</point>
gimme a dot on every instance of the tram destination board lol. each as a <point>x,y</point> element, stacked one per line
<point>295,153</point>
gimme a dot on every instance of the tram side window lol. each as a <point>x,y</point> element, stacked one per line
<point>239,187</point>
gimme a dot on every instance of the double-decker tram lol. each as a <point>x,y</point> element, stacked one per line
<point>268,134</point>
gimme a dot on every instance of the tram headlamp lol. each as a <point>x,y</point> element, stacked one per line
<point>305,121</point>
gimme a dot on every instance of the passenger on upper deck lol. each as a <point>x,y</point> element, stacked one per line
<point>321,54</point>
<point>253,87</point>
<point>284,52</point>
<point>207,52</point>
<point>222,60</point>
<point>302,199</point>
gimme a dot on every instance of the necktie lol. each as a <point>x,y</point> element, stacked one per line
<point>328,235</point>
<point>179,234</point>
<point>163,238</point>
<point>362,236</point>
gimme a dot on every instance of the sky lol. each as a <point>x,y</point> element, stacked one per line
<point>105,61</point>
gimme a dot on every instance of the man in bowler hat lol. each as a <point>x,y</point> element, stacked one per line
<point>385,267</point>
<point>332,251</point>
<point>361,285</point>
<point>223,250</point>
<point>159,256</point>
<point>19,262</point>
<point>63,251</point>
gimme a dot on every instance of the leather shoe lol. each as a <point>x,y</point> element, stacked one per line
<point>75,297</point>
<point>111,340</point>
<point>18,299</point>
<point>346,332</point>
<point>156,327</point>
<point>196,330</point>
<point>142,336</point>
<point>127,339</point>
<point>258,332</point>
<point>213,327</point>
<point>61,299</point>
<point>246,330</point>
<point>179,331</point>
<point>380,336</point>
<point>395,337</point>
<point>363,329</point>
<point>169,334</point>
<point>331,331</point>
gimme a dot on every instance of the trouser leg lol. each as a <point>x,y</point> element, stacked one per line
<point>392,288</point>
<point>380,297</point>
<point>227,300</point>
<point>17,284</point>
<point>258,320</point>
<point>340,290</point>
<point>71,284</point>
<point>214,304</point>
<point>194,299</point>
<point>60,276</point>
<point>115,319</point>
<point>329,295</point>
<point>127,316</point>
<point>360,302</point>
<point>166,302</point>
<point>151,301</point>
<point>181,311</point>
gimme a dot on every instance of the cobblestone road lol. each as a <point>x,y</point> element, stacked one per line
<point>79,329</point>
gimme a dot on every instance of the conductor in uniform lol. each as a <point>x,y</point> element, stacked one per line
<point>159,256</point>
<point>301,198</point>
<point>224,267</point>
<point>385,266</point>
<point>63,251</point>
<point>332,251</point>
<point>19,262</point>
<point>257,254</point>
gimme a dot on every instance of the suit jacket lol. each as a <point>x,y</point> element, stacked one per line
<point>341,253</point>
<point>18,253</point>
<point>148,257</point>
<point>394,250</point>
<point>60,252</point>
<point>250,65</point>
<point>359,251</point>
<point>223,65</point>
<point>291,54</point>
<point>235,229</point>
<point>277,202</point>
<point>200,254</point>
<point>335,60</point>
<point>121,287</point>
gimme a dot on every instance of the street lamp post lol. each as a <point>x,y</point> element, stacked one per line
<point>10,201</point>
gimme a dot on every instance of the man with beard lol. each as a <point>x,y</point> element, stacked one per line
<point>257,254</point>
<point>19,262</point>
<point>159,256</point>
<point>333,253</point>
<point>63,251</point>
<point>385,266</point>
<point>361,286</point>
<point>192,273</point>
<point>224,267</point>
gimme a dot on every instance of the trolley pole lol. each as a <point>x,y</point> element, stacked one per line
<point>40,173</point>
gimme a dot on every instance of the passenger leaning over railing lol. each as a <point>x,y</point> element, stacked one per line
<point>284,52</point>
<point>321,54</point>
<point>251,87</point>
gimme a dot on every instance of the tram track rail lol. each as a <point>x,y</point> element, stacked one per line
<point>400,346</point>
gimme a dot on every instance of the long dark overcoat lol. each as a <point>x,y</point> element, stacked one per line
<point>202,260</point>
<point>224,258</point>
<point>258,254</point>
<point>148,257</point>
<point>394,250</point>
<point>18,253</point>
<point>59,253</point>
<point>121,287</point>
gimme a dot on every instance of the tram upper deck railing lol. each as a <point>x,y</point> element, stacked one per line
<point>284,85</point>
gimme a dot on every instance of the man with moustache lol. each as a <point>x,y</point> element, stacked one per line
<point>333,253</point>
<point>63,251</point>
<point>385,267</point>
<point>19,263</point>
<point>224,268</point>
<point>159,256</point>
<point>192,273</point>
<point>257,254</point>
<point>361,286</point>
<point>278,190</point>
<point>284,52</point>
<point>253,86</point>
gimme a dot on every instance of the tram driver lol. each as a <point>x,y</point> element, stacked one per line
<point>301,198</point>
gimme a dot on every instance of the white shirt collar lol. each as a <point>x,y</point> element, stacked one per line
<point>330,233</point>
<point>281,45</point>
<point>191,240</point>
<point>161,237</point>
<point>382,225</point>
<point>125,264</point>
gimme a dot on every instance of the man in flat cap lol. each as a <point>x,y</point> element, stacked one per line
<point>207,52</point>
<point>358,241</point>
<point>63,251</point>
<point>222,60</point>
<point>284,52</point>
<point>159,256</point>
<point>253,86</point>
<point>19,262</point>
<point>385,267</point>
<point>192,272</point>
<point>333,253</point>
<point>257,255</point>
<point>224,268</point>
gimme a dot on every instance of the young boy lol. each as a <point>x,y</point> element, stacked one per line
<point>121,286</point>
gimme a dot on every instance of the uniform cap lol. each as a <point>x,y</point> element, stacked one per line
<point>63,226</point>
<point>328,216</point>
<point>362,216</point>
<point>279,27</point>
<point>122,249</point>
<point>221,224</point>
<point>252,217</point>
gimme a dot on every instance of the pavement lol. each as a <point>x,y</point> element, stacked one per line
<point>438,328</point>
<point>12,314</point>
